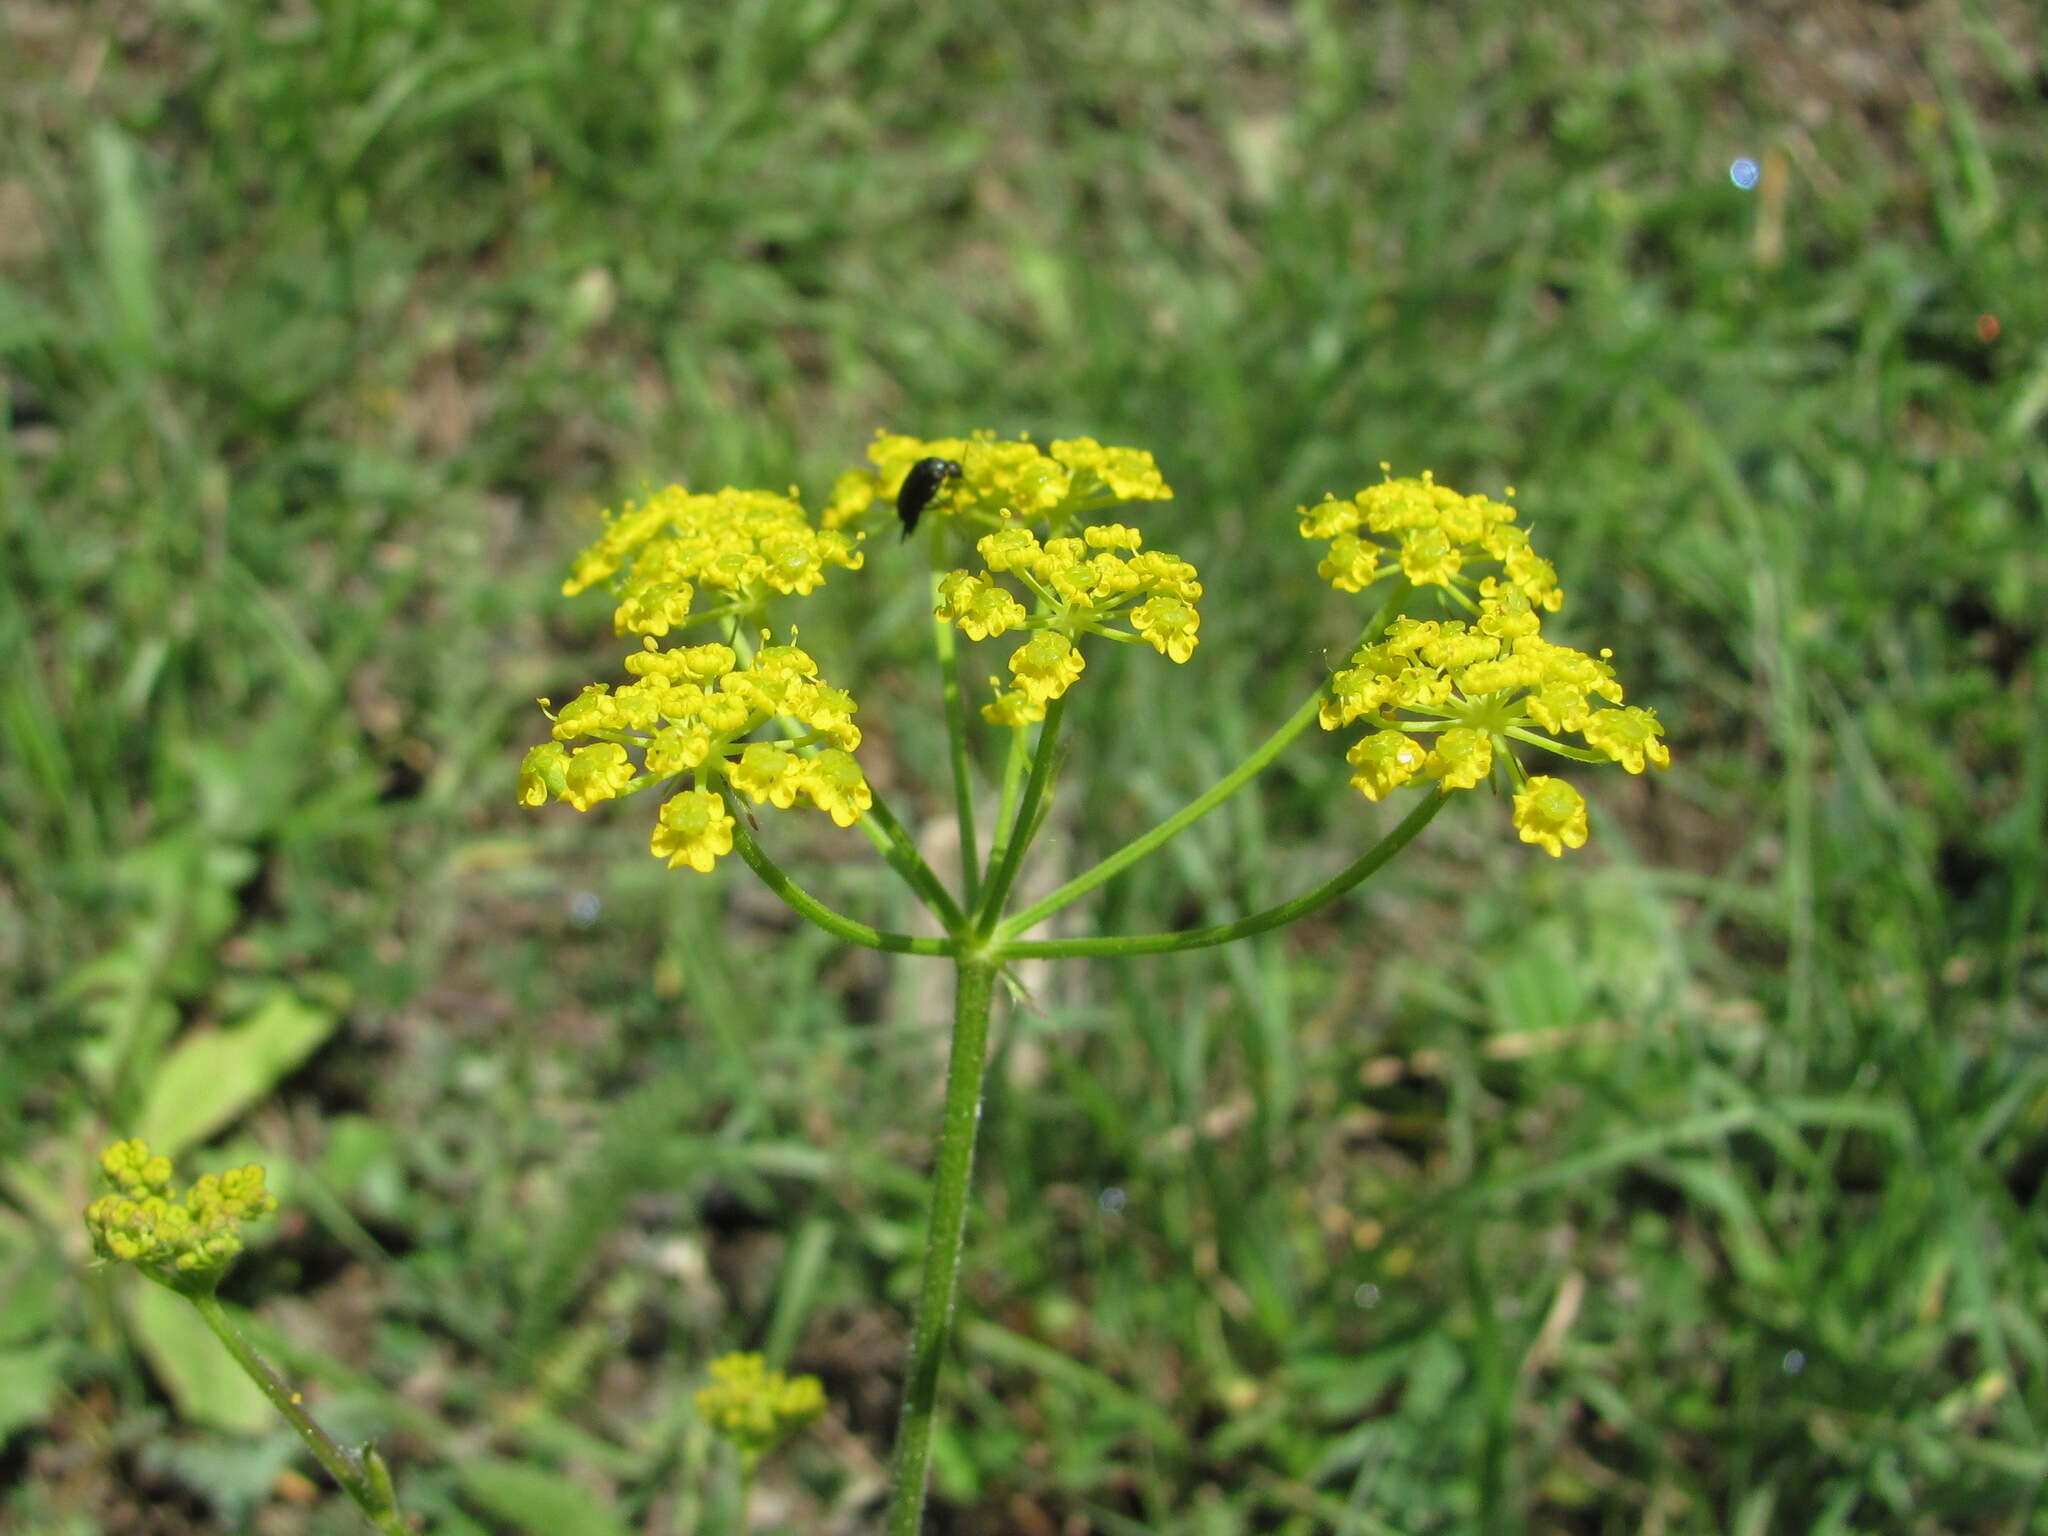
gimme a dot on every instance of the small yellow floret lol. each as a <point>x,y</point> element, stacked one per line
<point>1385,761</point>
<point>767,774</point>
<point>694,829</point>
<point>1629,736</point>
<point>1046,666</point>
<point>1462,759</point>
<point>596,773</point>
<point>542,773</point>
<point>1551,814</point>
<point>837,787</point>
<point>1168,625</point>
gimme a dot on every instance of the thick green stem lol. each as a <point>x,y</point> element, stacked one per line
<point>345,1468</point>
<point>1258,922</point>
<point>1195,810</point>
<point>952,1180</point>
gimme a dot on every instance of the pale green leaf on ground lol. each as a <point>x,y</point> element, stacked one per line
<point>208,1387</point>
<point>538,1502</point>
<point>214,1074</point>
<point>29,1379</point>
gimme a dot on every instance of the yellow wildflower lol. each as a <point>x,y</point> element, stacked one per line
<point>1550,814</point>
<point>837,787</point>
<point>1481,689</point>
<point>1463,758</point>
<point>1099,581</point>
<point>693,829</point>
<point>1045,666</point>
<point>691,710</point>
<point>690,558</point>
<point>1629,736</point>
<point>1167,625</point>
<point>185,1241</point>
<point>999,479</point>
<point>756,1408</point>
<point>1433,536</point>
<point>768,775</point>
<point>1385,761</point>
<point>596,772</point>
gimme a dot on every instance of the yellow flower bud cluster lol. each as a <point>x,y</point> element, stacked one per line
<point>186,1240</point>
<point>756,1408</point>
<point>1431,535</point>
<point>1472,690</point>
<point>689,710</point>
<point>1099,582</point>
<point>685,558</point>
<point>1000,480</point>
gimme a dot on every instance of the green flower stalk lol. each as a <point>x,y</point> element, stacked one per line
<point>186,1241</point>
<point>1448,698</point>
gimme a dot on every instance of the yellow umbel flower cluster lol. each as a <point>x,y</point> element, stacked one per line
<point>756,1408</point>
<point>185,1241</point>
<point>689,711</point>
<point>1101,582</point>
<point>1001,480</point>
<point>1476,687</point>
<point>1431,535</point>
<point>685,558</point>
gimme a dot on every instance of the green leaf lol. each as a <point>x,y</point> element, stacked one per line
<point>536,1500</point>
<point>213,1074</point>
<point>203,1380</point>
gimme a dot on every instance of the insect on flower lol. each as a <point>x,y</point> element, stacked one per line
<point>919,487</point>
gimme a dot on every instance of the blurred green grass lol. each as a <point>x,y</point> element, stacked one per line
<point>1693,1184</point>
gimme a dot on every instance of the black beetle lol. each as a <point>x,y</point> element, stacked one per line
<point>919,487</point>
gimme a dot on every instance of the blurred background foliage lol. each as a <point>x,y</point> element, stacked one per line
<point>1691,1184</point>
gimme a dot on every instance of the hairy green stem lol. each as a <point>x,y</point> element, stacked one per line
<point>838,924</point>
<point>1244,927</point>
<point>952,1180</point>
<point>1261,756</point>
<point>371,1492</point>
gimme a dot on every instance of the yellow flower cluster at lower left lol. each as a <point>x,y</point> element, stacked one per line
<point>690,710</point>
<point>183,1240</point>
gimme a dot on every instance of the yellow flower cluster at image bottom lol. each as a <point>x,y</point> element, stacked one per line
<point>664,556</point>
<point>689,711</point>
<point>183,1240</point>
<point>1000,480</point>
<point>756,1408</point>
<point>1471,688</point>
<point>1101,582</point>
